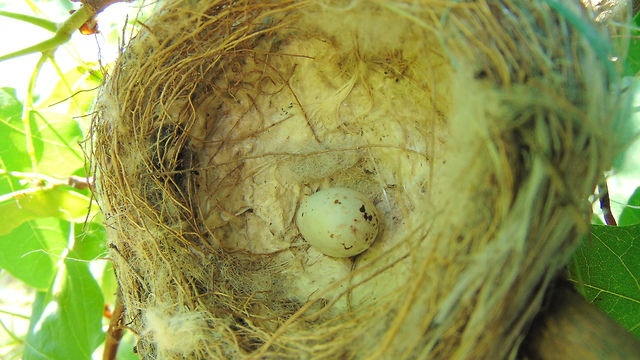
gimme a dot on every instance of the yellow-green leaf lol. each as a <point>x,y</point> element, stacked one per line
<point>22,206</point>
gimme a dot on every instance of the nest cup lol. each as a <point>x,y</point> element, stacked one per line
<point>478,129</point>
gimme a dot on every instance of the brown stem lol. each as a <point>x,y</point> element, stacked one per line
<point>115,332</point>
<point>572,329</point>
<point>98,5</point>
<point>605,204</point>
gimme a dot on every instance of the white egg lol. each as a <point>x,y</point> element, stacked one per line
<point>339,222</point>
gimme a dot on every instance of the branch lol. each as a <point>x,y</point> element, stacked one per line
<point>63,32</point>
<point>115,332</point>
<point>62,35</point>
<point>99,5</point>
<point>77,182</point>
<point>572,329</point>
<point>605,204</point>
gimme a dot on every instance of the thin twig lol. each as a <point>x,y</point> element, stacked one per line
<point>74,181</point>
<point>605,204</point>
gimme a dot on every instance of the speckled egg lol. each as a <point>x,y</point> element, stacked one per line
<point>339,222</point>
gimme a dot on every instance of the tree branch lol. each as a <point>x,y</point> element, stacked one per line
<point>572,329</point>
<point>64,30</point>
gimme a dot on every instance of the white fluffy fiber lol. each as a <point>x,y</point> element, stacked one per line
<point>177,333</point>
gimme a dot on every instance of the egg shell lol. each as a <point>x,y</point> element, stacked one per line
<point>339,222</point>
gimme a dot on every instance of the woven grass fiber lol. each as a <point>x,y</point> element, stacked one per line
<point>479,129</point>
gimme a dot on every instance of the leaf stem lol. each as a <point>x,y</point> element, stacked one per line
<point>62,35</point>
<point>26,111</point>
<point>34,20</point>
<point>14,314</point>
<point>10,333</point>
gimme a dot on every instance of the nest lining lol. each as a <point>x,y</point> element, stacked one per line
<point>467,128</point>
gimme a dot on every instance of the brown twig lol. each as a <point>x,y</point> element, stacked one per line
<point>115,331</point>
<point>605,204</point>
<point>98,5</point>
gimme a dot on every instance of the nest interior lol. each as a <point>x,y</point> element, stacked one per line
<point>477,128</point>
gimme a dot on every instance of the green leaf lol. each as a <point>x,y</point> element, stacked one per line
<point>627,163</point>
<point>66,321</point>
<point>91,239</point>
<point>17,208</point>
<point>109,283</point>
<point>76,89</point>
<point>10,106</point>
<point>631,214</point>
<point>11,157</point>
<point>30,252</point>
<point>56,139</point>
<point>606,270</point>
<point>632,64</point>
<point>125,350</point>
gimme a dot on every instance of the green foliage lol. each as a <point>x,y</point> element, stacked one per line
<point>54,138</point>
<point>63,31</point>
<point>607,273</point>
<point>66,319</point>
<point>606,268</point>
<point>83,78</point>
<point>51,233</point>
<point>30,251</point>
<point>631,214</point>
<point>632,65</point>
<point>51,230</point>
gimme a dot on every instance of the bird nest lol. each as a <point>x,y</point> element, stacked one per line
<point>477,128</point>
